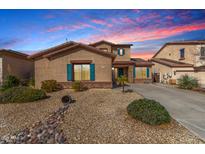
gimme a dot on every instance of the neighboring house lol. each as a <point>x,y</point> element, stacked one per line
<point>15,63</point>
<point>97,65</point>
<point>178,58</point>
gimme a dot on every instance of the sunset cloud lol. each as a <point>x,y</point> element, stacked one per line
<point>139,35</point>
<point>70,27</point>
<point>147,29</point>
<point>146,55</point>
<point>101,22</point>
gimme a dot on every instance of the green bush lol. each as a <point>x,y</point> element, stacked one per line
<point>187,82</point>
<point>10,81</point>
<point>78,86</point>
<point>21,95</point>
<point>50,85</point>
<point>148,111</point>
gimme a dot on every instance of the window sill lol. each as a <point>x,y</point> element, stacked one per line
<point>181,58</point>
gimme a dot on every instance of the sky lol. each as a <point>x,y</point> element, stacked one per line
<point>29,31</point>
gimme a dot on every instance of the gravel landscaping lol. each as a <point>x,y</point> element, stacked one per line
<point>17,116</point>
<point>98,116</point>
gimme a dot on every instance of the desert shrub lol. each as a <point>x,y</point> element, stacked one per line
<point>50,85</point>
<point>148,111</point>
<point>78,86</point>
<point>21,95</point>
<point>10,81</point>
<point>187,82</point>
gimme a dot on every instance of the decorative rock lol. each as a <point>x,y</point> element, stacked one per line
<point>40,132</point>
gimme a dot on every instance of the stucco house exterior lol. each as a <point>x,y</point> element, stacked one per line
<point>97,65</point>
<point>179,58</point>
<point>15,63</point>
<point>136,70</point>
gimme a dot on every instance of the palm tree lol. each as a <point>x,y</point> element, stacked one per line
<point>121,80</point>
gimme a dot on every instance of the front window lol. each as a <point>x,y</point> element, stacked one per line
<point>81,72</point>
<point>121,52</point>
<point>141,72</point>
<point>182,53</point>
<point>202,51</point>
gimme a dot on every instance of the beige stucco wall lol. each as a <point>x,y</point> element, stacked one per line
<point>103,45</point>
<point>192,52</point>
<point>21,68</point>
<point>198,75</point>
<point>150,72</point>
<point>161,69</point>
<point>125,57</point>
<point>56,69</point>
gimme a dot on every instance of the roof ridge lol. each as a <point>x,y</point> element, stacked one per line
<point>14,52</point>
<point>41,52</point>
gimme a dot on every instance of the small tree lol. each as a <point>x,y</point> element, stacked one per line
<point>121,80</point>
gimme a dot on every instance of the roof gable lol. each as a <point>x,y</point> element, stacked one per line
<point>179,43</point>
<point>109,43</point>
<point>101,42</point>
<point>69,47</point>
<point>13,53</point>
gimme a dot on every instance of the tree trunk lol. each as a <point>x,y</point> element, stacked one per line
<point>123,88</point>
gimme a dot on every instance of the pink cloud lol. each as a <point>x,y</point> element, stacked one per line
<point>101,22</point>
<point>145,55</point>
<point>139,34</point>
<point>127,20</point>
<point>146,17</point>
<point>70,27</point>
<point>169,17</point>
<point>56,28</point>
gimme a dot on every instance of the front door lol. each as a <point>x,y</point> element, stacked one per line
<point>120,72</point>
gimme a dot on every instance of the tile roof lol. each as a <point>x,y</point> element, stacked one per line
<point>68,46</point>
<point>13,52</point>
<point>171,63</point>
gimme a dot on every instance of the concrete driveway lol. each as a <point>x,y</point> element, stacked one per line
<point>187,107</point>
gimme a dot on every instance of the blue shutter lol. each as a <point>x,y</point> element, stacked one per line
<point>134,72</point>
<point>69,72</point>
<point>147,72</point>
<point>92,72</point>
<point>118,51</point>
<point>123,52</point>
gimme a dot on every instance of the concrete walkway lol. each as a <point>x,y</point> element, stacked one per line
<point>187,107</point>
